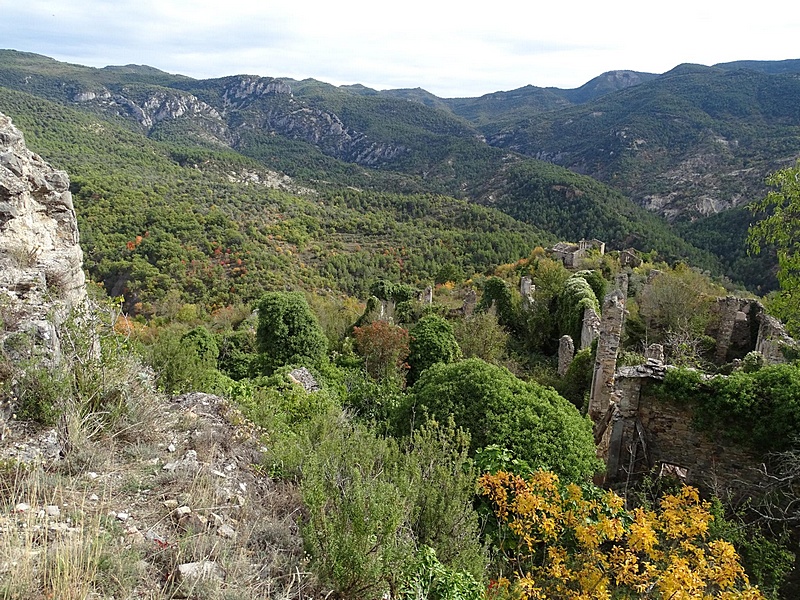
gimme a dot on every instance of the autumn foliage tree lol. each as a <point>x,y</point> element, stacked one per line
<point>384,347</point>
<point>565,543</point>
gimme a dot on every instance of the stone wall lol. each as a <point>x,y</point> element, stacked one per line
<point>590,328</point>
<point>649,433</point>
<point>742,325</point>
<point>566,353</point>
<point>611,323</point>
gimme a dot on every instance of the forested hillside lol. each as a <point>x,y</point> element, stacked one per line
<point>374,184</point>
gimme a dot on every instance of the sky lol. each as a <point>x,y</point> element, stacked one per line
<point>452,49</point>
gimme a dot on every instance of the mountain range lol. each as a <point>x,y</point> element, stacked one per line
<point>655,162</point>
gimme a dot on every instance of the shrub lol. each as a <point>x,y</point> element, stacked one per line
<point>237,354</point>
<point>567,542</point>
<point>377,512</point>
<point>760,409</point>
<point>495,407</point>
<point>288,332</point>
<point>186,362</point>
<point>201,341</point>
<point>432,341</point>
<point>384,347</point>
<point>480,335</point>
<point>577,381</point>
<point>449,272</point>
<point>497,293</point>
<point>575,297</point>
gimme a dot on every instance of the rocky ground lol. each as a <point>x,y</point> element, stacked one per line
<point>181,509</point>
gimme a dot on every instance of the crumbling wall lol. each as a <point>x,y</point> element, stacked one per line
<point>734,326</point>
<point>642,432</point>
<point>590,329</point>
<point>712,464</point>
<point>611,322</point>
<point>742,325</point>
<point>566,352</point>
<point>772,340</point>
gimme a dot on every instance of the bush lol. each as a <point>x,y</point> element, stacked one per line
<point>278,403</point>
<point>186,362</point>
<point>237,354</point>
<point>759,409</point>
<point>288,332</point>
<point>577,381</point>
<point>568,542</point>
<point>576,296</point>
<point>377,511</point>
<point>372,401</point>
<point>432,341</point>
<point>495,407</point>
<point>497,293</point>
<point>480,335</point>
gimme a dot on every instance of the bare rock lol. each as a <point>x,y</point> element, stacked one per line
<point>304,377</point>
<point>41,263</point>
<point>193,572</point>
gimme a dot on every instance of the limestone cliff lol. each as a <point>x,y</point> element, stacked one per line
<point>243,104</point>
<point>41,263</point>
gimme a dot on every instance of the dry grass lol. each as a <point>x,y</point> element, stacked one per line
<point>88,550</point>
<point>119,461</point>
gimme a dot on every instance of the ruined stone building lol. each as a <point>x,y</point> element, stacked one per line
<point>638,433</point>
<point>570,254</point>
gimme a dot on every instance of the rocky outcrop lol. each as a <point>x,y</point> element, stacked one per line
<point>157,106</point>
<point>244,103</point>
<point>328,132</point>
<point>41,263</point>
<point>243,89</point>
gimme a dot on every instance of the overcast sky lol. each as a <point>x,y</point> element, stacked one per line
<point>449,48</point>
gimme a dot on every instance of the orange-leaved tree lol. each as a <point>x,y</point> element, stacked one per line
<point>568,543</point>
<point>384,347</point>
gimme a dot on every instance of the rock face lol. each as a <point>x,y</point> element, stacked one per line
<point>245,104</point>
<point>41,263</point>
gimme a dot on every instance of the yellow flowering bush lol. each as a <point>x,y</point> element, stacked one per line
<point>569,544</point>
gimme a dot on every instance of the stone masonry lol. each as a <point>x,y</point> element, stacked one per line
<point>566,352</point>
<point>611,322</point>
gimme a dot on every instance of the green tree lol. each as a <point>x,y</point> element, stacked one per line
<point>432,341</point>
<point>675,309</point>
<point>781,229</point>
<point>449,272</point>
<point>495,407</point>
<point>481,336</point>
<point>497,293</point>
<point>288,331</point>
